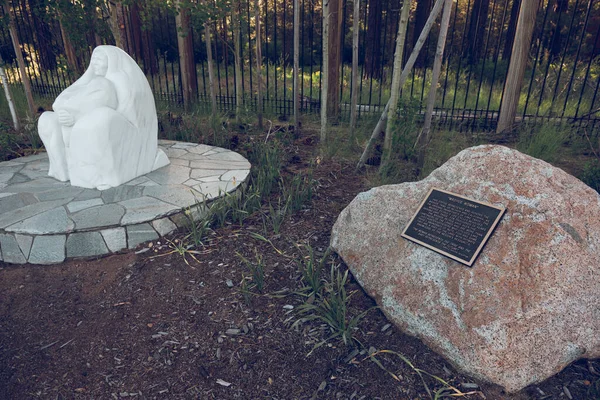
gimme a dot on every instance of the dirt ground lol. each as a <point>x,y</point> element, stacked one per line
<point>148,325</point>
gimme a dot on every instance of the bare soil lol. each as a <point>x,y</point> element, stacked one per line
<point>150,325</point>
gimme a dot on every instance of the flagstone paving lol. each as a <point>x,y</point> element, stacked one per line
<point>45,221</point>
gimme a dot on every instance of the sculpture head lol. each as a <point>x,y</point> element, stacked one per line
<point>99,62</point>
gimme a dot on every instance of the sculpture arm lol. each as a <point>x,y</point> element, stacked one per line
<point>99,92</point>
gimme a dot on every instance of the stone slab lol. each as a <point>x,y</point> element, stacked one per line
<point>144,209</point>
<point>11,252</point>
<point>164,226</point>
<point>48,249</point>
<point>121,193</point>
<point>98,217</point>
<point>174,174</point>
<point>85,244</point>
<point>21,214</point>
<point>138,234</point>
<point>25,242</point>
<point>48,220</point>
<point>178,195</point>
<point>115,238</point>
<point>51,221</point>
<point>79,205</point>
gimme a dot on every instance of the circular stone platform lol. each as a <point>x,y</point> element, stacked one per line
<point>45,221</point>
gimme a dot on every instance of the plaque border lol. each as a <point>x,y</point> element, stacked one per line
<point>491,229</point>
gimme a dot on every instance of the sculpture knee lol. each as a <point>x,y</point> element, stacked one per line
<point>48,125</point>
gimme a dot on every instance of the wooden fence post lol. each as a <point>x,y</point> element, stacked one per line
<point>335,59</point>
<point>516,68</point>
<point>296,67</point>
<point>259,91</point>
<point>354,100</point>
<point>324,72</point>
<point>187,65</point>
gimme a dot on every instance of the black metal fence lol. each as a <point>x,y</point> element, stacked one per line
<point>561,82</point>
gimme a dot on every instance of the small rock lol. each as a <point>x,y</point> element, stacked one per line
<point>288,307</point>
<point>223,383</point>
<point>468,385</point>
<point>232,331</point>
<point>385,327</point>
<point>229,283</point>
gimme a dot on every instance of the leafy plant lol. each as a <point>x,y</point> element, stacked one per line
<point>591,174</point>
<point>542,141</point>
<point>182,248</point>
<point>266,161</point>
<point>275,216</point>
<point>257,272</point>
<point>331,307</point>
<point>198,229</point>
<point>299,191</point>
<point>311,270</point>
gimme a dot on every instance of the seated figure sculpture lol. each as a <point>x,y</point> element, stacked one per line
<point>103,131</point>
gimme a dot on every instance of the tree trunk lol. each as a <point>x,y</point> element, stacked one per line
<point>516,68</point>
<point>117,24</point>
<point>421,14</point>
<point>395,89</point>
<point>355,31</point>
<point>187,65</point>
<point>476,32</point>
<point>373,51</point>
<point>237,59</point>
<point>405,72</point>
<point>211,71</point>
<point>90,15</point>
<point>324,72</point>
<point>135,27</point>
<point>296,66</point>
<point>335,59</point>
<point>20,61</point>
<point>512,28</point>
<point>9,99</point>
<point>423,138</point>
<point>259,95</point>
<point>43,35</point>
<point>148,52</point>
<point>72,59</point>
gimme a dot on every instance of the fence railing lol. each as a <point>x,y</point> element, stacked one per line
<point>561,82</point>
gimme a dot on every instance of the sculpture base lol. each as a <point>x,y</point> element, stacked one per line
<point>45,221</point>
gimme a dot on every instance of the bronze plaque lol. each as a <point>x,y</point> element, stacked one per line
<point>453,225</point>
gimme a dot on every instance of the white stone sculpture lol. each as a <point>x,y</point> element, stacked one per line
<point>104,130</point>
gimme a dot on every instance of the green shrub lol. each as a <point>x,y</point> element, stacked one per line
<point>591,175</point>
<point>542,141</point>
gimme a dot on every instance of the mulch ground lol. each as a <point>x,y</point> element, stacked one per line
<point>150,325</point>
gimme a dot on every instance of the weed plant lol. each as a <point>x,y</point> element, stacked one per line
<point>330,306</point>
<point>591,174</point>
<point>266,171</point>
<point>311,270</point>
<point>543,141</point>
<point>298,192</point>
<point>256,270</point>
<point>198,229</point>
<point>275,216</point>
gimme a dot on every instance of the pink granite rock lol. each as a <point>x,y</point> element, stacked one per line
<point>528,307</point>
